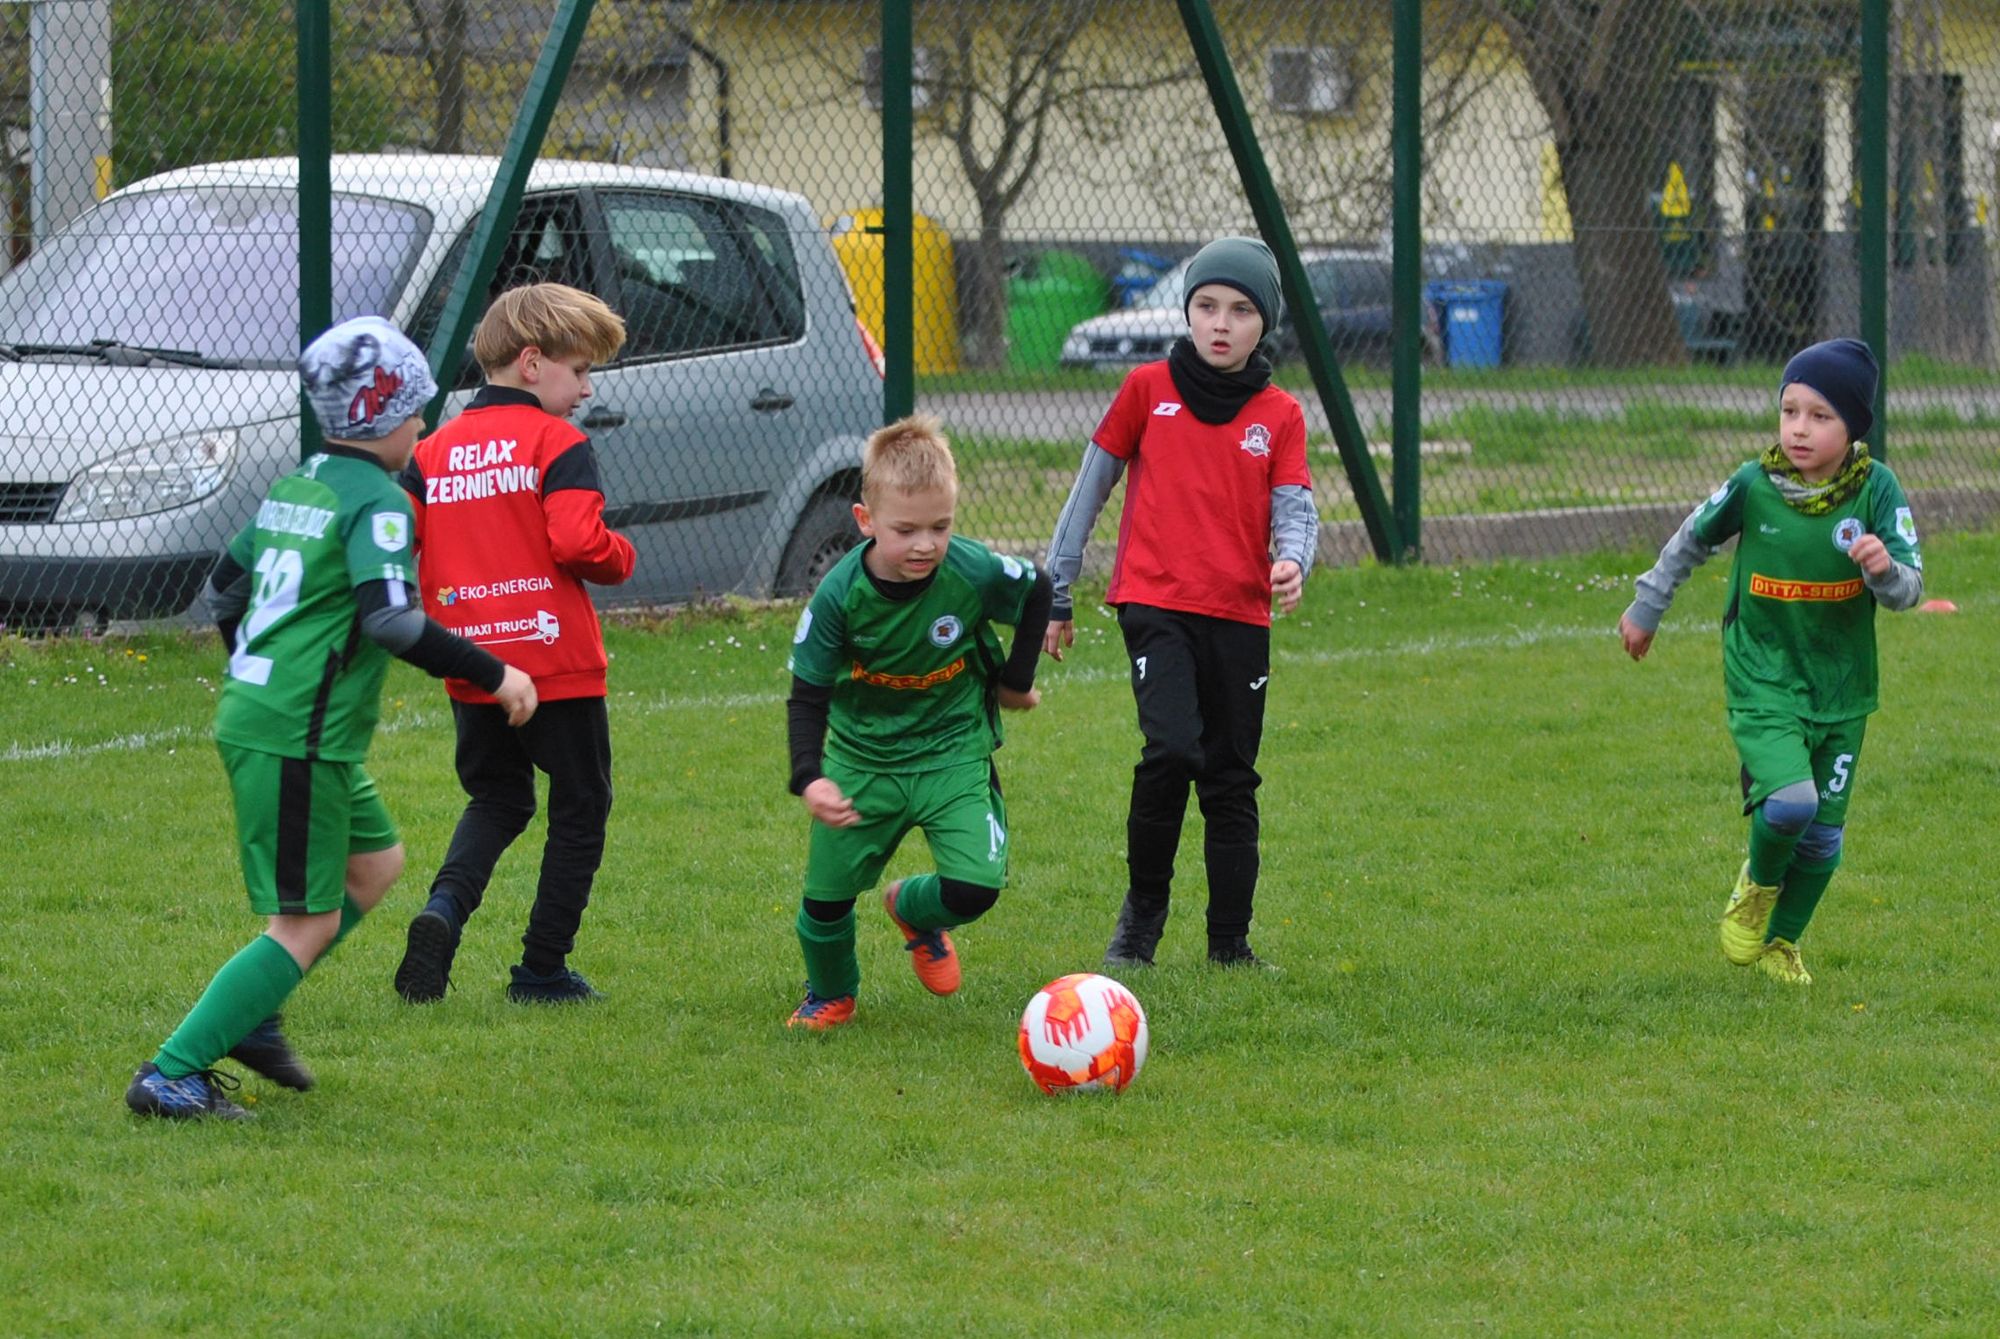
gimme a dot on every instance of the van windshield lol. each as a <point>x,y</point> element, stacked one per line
<point>210,270</point>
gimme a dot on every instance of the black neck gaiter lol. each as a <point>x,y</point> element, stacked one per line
<point>1212,396</point>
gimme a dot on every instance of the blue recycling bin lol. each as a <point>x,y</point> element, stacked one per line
<point>1469,313</point>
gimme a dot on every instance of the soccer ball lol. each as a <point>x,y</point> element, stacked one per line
<point>1082,1033</point>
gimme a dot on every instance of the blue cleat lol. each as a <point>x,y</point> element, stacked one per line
<point>195,1097</point>
<point>426,967</point>
<point>564,987</point>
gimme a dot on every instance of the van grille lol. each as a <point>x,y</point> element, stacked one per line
<point>29,504</point>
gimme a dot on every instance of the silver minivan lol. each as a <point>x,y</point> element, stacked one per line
<point>148,395</point>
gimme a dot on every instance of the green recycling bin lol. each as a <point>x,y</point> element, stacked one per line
<point>1047,295</point>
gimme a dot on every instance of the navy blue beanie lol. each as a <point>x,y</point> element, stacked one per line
<point>1843,371</point>
<point>1246,265</point>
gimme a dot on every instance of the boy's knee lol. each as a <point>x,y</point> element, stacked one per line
<point>371,873</point>
<point>967,901</point>
<point>1178,758</point>
<point>1819,842</point>
<point>1789,809</point>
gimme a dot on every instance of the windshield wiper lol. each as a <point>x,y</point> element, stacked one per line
<point>119,354</point>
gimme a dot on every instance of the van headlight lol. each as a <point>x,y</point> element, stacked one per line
<point>158,476</point>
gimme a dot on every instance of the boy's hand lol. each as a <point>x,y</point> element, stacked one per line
<point>1061,633</point>
<point>516,696</point>
<point>1637,640</point>
<point>1871,555</point>
<point>1288,582</point>
<point>825,802</point>
<point>1013,699</point>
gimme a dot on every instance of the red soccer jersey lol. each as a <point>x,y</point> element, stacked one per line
<point>1196,531</point>
<point>510,524</point>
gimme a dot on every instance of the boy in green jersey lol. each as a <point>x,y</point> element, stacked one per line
<point>312,599</point>
<point>1824,535</point>
<point>897,675</point>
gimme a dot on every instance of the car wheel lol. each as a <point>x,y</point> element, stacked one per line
<point>822,538</point>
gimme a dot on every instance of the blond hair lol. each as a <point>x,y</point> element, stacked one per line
<point>561,321</point>
<point>910,455</point>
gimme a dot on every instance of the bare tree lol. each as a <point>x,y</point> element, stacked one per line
<point>1599,69</point>
<point>1007,81</point>
<point>1332,168</point>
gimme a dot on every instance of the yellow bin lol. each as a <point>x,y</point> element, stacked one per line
<point>857,240</point>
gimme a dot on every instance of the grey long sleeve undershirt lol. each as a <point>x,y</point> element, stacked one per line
<point>1899,588</point>
<point>1294,524</point>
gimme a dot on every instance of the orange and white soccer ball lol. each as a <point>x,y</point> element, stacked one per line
<point>1082,1033</point>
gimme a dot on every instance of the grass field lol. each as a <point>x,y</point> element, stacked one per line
<point>1505,1084</point>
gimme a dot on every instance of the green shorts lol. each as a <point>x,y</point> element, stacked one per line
<point>296,824</point>
<point>1777,750</point>
<point>959,808</point>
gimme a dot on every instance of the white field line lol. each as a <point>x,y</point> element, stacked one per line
<point>426,718</point>
<point>60,749</point>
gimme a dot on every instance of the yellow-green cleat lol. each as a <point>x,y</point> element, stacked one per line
<point>1747,918</point>
<point>1781,962</point>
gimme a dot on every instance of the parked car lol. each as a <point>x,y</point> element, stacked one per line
<point>1352,288</point>
<point>149,395</point>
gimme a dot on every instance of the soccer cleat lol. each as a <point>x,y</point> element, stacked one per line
<point>1747,918</point>
<point>564,987</point>
<point>932,957</point>
<point>267,1052</point>
<point>818,1014</point>
<point>1137,934</point>
<point>1781,962</point>
<point>1237,953</point>
<point>197,1096</point>
<point>426,967</point>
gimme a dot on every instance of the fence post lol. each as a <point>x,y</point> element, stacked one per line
<point>1407,153</point>
<point>1875,206</point>
<point>503,201</point>
<point>1213,58</point>
<point>315,74</point>
<point>899,266</point>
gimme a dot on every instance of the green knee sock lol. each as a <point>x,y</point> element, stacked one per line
<point>831,967</point>
<point>1805,882</point>
<point>920,902</point>
<point>1770,850</point>
<point>350,916</point>
<point>250,988</point>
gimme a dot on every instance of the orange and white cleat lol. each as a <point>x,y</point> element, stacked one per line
<point>818,1014</point>
<point>932,956</point>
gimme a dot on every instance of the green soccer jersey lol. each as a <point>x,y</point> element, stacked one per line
<point>1799,634</point>
<point>303,682</point>
<point>911,677</point>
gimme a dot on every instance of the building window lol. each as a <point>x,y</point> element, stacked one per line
<point>923,73</point>
<point>1310,80</point>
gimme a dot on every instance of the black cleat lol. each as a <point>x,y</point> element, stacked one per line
<point>564,987</point>
<point>267,1052</point>
<point>1136,935</point>
<point>198,1096</point>
<point>1237,953</point>
<point>426,967</point>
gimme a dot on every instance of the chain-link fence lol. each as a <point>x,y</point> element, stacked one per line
<point>1631,216</point>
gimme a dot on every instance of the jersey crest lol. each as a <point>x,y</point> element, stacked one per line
<point>1256,440</point>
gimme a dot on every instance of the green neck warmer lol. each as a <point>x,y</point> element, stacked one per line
<point>1816,499</point>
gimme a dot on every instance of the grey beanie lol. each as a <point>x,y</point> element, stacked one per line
<point>364,379</point>
<point>1245,264</point>
<point>1843,371</point>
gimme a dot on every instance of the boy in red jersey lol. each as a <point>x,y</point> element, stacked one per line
<point>1218,487</point>
<point>510,524</point>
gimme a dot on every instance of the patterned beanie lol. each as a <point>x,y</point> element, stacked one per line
<point>364,379</point>
<point>1843,371</point>
<point>1246,265</point>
